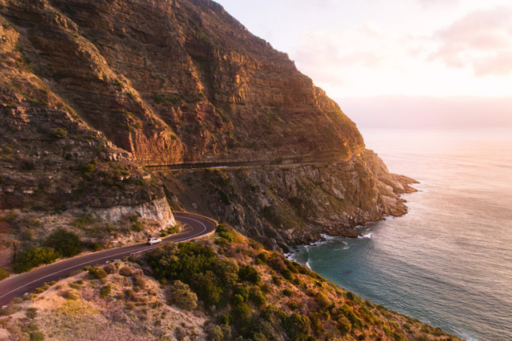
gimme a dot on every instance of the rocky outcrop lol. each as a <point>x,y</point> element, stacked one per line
<point>156,212</point>
<point>287,205</point>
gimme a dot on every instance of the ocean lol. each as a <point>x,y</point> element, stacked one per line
<point>448,262</point>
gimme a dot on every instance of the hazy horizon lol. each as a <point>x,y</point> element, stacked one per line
<point>397,63</point>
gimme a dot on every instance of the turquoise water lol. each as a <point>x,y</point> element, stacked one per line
<point>448,262</point>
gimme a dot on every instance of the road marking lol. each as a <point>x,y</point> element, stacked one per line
<point>114,255</point>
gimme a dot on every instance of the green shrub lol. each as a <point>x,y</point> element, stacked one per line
<point>277,263</point>
<point>109,268</point>
<point>223,232</point>
<point>262,257</point>
<point>125,271</point>
<point>287,292</point>
<point>10,309</point>
<point>4,274</point>
<point>227,270</point>
<point>97,273</point>
<point>31,313</point>
<point>36,336</point>
<point>249,274</point>
<point>182,296</point>
<point>344,325</point>
<point>207,287</point>
<point>33,257</point>
<point>59,133</point>
<point>87,168</point>
<point>287,274</point>
<point>66,243</point>
<point>323,301</point>
<point>105,291</point>
<point>257,297</point>
<point>297,326</point>
<point>242,315</point>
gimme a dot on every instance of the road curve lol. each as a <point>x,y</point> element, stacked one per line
<point>196,227</point>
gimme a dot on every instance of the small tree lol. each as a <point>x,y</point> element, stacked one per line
<point>250,274</point>
<point>30,258</point>
<point>68,244</point>
<point>182,296</point>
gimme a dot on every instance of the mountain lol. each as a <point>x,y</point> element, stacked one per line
<point>106,104</point>
<point>116,113</point>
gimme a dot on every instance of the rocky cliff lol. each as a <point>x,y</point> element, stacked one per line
<point>92,91</point>
<point>294,204</point>
<point>175,80</point>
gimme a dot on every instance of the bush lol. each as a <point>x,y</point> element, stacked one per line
<point>66,243</point>
<point>297,326</point>
<point>287,274</point>
<point>182,296</point>
<point>207,287</point>
<point>227,269</point>
<point>257,297</point>
<point>4,274</point>
<point>33,257</point>
<point>36,336</point>
<point>262,258</point>
<point>249,274</point>
<point>109,268</point>
<point>242,315</point>
<point>59,133</point>
<point>69,295</point>
<point>323,301</point>
<point>140,282</point>
<point>215,333</point>
<point>344,325</point>
<point>277,262</point>
<point>105,291</point>
<point>97,273</point>
<point>287,292</point>
<point>125,271</point>
<point>87,168</point>
<point>224,233</point>
<point>31,313</point>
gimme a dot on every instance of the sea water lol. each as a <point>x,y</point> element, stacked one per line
<point>448,262</point>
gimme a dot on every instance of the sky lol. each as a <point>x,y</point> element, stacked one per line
<point>397,63</point>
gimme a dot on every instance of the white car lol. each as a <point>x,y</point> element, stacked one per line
<point>152,241</point>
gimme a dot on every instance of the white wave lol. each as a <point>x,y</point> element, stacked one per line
<point>307,264</point>
<point>366,236</point>
<point>327,237</point>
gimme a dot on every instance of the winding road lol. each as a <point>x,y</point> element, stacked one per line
<point>195,227</point>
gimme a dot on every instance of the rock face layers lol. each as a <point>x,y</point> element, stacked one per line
<point>92,91</point>
<point>179,80</point>
<point>295,204</point>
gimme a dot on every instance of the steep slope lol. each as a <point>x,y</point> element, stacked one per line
<point>92,91</point>
<point>225,287</point>
<point>179,80</point>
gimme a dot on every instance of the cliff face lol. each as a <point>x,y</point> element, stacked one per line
<point>280,205</point>
<point>177,80</point>
<point>92,91</point>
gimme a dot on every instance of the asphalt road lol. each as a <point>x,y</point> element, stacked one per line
<point>22,284</point>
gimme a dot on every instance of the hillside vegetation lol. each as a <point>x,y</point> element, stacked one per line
<point>225,287</point>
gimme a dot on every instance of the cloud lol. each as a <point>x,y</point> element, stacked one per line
<point>429,3</point>
<point>481,40</point>
<point>327,57</point>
